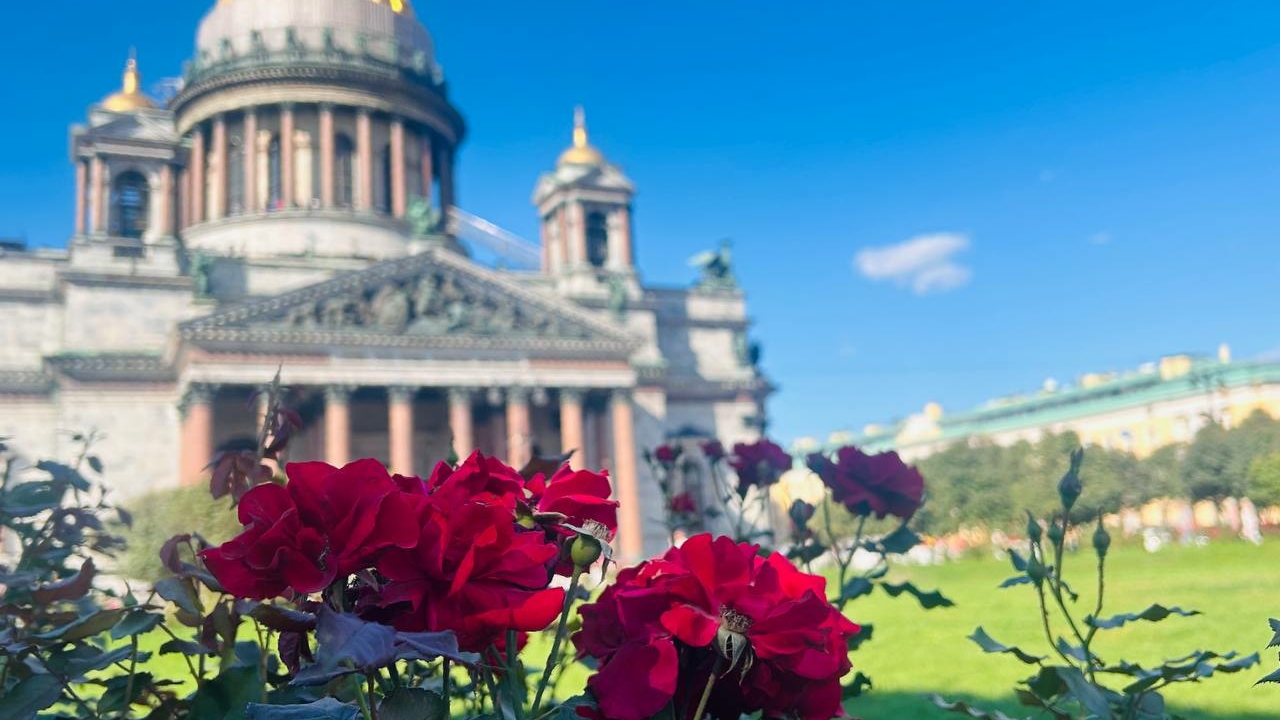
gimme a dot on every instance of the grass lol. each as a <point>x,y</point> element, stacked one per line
<point>915,652</point>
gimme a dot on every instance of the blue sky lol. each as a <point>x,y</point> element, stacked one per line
<point>1088,185</point>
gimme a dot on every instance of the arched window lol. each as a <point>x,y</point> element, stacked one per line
<point>597,239</point>
<point>275,178</point>
<point>236,159</point>
<point>382,193</point>
<point>130,201</point>
<point>344,168</point>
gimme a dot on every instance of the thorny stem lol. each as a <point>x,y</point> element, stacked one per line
<point>66,685</point>
<point>133,668</point>
<point>186,658</point>
<point>706,692</point>
<point>1044,606</point>
<point>1055,585</point>
<point>1097,612</point>
<point>362,699</point>
<point>553,658</point>
<point>373,707</point>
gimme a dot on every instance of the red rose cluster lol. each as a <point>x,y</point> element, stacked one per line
<point>712,606</point>
<point>880,484</point>
<point>471,549</point>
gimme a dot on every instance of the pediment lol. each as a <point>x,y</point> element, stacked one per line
<point>434,300</point>
<point>136,127</point>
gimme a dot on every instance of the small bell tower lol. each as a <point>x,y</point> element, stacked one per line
<point>585,207</point>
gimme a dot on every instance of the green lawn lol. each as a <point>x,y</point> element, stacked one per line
<point>916,652</point>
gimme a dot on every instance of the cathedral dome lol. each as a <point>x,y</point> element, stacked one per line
<point>130,97</point>
<point>582,152</point>
<point>381,28</point>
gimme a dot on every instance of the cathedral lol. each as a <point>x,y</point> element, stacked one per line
<point>293,207</point>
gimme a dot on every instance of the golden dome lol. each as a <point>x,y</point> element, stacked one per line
<point>130,97</point>
<point>582,152</point>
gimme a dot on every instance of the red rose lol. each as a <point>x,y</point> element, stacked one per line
<point>471,572</point>
<point>479,479</point>
<point>713,450</point>
<point>660,630</point>
<point>871,484</point>
<point>667,454</point>
<point>683,504</point>
<point>760,464</point>
<point>582,497</point>
<point>326,524</point>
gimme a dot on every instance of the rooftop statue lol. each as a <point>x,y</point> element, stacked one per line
<point>716,267</point>
<point>422,218</point>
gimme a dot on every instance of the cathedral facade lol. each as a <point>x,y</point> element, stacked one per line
<point>293,207</point>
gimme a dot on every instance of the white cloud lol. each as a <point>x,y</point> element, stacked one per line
<point>925,263</point>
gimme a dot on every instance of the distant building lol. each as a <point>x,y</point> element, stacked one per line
<point>1140,411</point>
<point>294,206</point>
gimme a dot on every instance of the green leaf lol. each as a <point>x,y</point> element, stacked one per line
<point>326,709</point>
<point>182,593</point>
<point>1275,628</point>
<point>283,619</point>
<point>991,645</point>
<point>568,710</point>
<point>1074,651</point>
<point>1272,678</point>
<point>413,704</point>
<point>82,659</point>
<point>64,474</point>
<point>72,588</point>
<point>30,498</point>
<point>967,710</point>
<point>137,622</point>
<point>227,696</point>
<point>1155,613</point>
<point>87,626</point>
<point>900,540</point>
<point>1088,695</point>
<point>1016,580</point>
<point>30,697</point>
<point>928,600</point>
<point>856,588</point>
<point>863,635</point>
<point>857,687</point>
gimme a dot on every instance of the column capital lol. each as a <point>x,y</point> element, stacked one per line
<point>327,106</point>
<point>518,395</point>
<point>573,395</point>
<point>250,110</point>
<point>197,394</point>
<point>494,396</point>
<point>459,395</point>
<point>622,395</point>
<point>364,112</point>
<point>338,394</point>
<point>402,393</point>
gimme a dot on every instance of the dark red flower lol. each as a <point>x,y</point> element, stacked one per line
<point>471,572</point>
<point>880,484</point>
<point>667,454</point>
<point>659,630</point>
<point>713,450</point>
<point>582,497</point>
<point>326,524</point>
<point>760,464</point>
<point>478,479</point>
<point>683,504</point>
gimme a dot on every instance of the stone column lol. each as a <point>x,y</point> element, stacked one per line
<point>399,196</point>
<point>337,424</point>
<point>364,160</point>
<point>197,175</point>
<point>573,424</point>
<point>625,481</point>
<point>82,189</point>
<point>218,170</point>
<point>165,201</point>
<point>519,440</point>
<point>304,190</point>
<point>262,166</point>
<point>627,258</point>
<point>326,155</point>
<point>249,147</point>
<point>286,156</point>
<point>97,193</point>
<point>400,428</point>
<point>197,433</point>
<point>460,422</point>
<point>448,193</point>
<point>428,166</point>
<point>184,198</point>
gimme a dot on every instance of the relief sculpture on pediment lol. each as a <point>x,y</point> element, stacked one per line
<point>432,304</point>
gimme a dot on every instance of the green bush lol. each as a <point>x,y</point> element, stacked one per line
<point>160,515</point>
